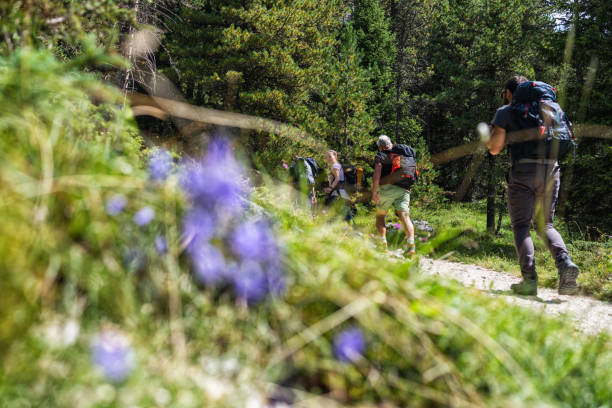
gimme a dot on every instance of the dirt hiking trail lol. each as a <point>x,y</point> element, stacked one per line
<point>590,315</point>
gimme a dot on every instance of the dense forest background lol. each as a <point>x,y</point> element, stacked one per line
<point>424,72</point>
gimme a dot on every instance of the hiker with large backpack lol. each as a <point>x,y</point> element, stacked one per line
<point>303,174</point>
<point>395,171</point>
<point>338,184</point>
<point>538,133</point>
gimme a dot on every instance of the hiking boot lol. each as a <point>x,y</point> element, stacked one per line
<point>409,251</point>
<point>568,272</point>
<point>526,287</point>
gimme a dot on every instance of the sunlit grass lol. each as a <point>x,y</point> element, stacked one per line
<point>477,246</point>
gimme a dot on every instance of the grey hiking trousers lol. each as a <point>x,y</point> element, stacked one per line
<point>533,189</point>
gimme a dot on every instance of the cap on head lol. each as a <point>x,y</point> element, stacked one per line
<point>384,142</point>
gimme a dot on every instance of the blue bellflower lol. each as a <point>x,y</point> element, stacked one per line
<point>144,216</point>
<point>277,281</point>
<point>216,182</point>
<point>250,282</point>
<point>253,240</point>
<point>198,227</point>
<point>111,352</point>
<point>210,266</point>
<point>160,165</point>
<point>217,190</point>
<point>116,204</point>
<point>349,345</point>
<point>161,245</point>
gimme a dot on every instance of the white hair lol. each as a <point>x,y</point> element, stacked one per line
<point>384,142</point>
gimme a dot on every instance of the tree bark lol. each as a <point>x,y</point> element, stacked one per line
<point>491,195</point>
<point>501,207</point>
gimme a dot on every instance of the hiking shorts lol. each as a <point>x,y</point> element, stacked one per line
<point>391,196</point>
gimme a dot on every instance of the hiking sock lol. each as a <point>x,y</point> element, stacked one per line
<point>410,248</point>
<point>382,242</point>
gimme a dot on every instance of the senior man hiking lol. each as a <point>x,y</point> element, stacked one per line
<point>395,172</point>
<point>537,132</point>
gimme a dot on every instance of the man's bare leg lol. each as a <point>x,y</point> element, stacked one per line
<point>380,226</point>
<point>408,230</point>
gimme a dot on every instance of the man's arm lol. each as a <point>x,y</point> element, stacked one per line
<point>376,181</point>
<point>497,141</point>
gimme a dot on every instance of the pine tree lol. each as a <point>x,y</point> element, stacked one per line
<point>346,95</point>
<point>376,43</point>
<point>266,58</point>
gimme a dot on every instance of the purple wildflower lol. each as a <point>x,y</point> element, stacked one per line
<point>161,244</point>
<point>397,226</point>
<point>210,267</point>
<point>250,282</point>
<point>198,227</point>
<point>253,240</point>
<point>216,181</point>
<point>277,282</point>
<point>111,352</point>
<point>116,204</point>
<point>349,345</point>
<point>160,164</point>
<point>144,216</point>
<point>253,280</point>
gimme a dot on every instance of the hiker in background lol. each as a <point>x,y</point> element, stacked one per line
<point>395,171</point>
<point>336,188</point>
<point>534,179</point>
<point>303,173</point>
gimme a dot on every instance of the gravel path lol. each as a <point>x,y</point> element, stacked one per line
<point>590,315</point>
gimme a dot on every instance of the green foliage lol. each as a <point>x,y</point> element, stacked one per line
<point>584,45</point>
<point>345,96</point>
<point>411,24</point>
<point>586,184</point>
<point>376,43</point>
<point>60,25</point>
<point>58,150</point>
<point>292,61</point>
<point>273,52</point>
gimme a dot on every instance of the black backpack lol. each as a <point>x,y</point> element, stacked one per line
<point>535,107</point>
<point>350,178</point>
<point>404,170</point>
<point>314,167</point>
<point>304,170</point>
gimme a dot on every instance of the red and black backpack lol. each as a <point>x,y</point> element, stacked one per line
<point>404,169</point>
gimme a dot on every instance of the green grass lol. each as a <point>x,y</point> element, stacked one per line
<point>472,244</point>
<point>476,246</point>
